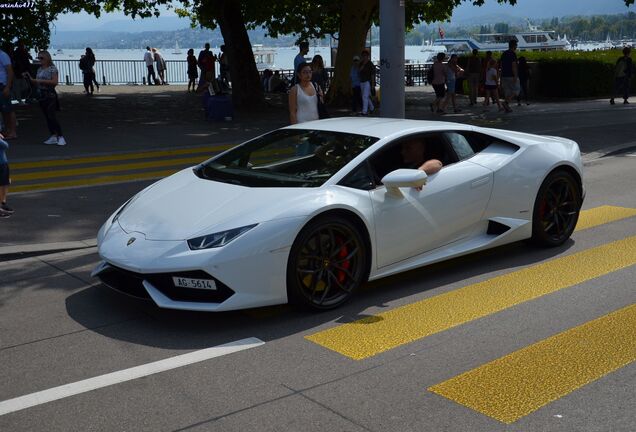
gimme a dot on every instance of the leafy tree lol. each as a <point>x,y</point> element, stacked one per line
<point>502,28</point>
<point>349,19</point>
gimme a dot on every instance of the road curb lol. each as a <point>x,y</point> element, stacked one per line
<point>592,156</point>
<point>10,253</point>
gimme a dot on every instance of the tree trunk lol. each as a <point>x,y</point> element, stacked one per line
<point>355,22</point>
<point>247,93</point>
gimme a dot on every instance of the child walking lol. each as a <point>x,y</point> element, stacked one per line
<point>491,86</point>
<point>5,210</point>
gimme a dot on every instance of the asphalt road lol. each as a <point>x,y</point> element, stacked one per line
<point>59,327</point>
<point>558,358</point>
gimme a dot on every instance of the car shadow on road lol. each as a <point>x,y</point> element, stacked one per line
<point>172,329</point>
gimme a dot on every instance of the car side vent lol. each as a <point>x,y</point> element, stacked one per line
<point>496,228</point>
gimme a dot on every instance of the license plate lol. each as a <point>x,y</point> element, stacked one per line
<point>182,282</point>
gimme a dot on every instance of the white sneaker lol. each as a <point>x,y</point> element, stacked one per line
<point>61,141</point>
<point>52,140</point>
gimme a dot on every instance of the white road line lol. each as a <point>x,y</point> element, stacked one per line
<point>63,391</point>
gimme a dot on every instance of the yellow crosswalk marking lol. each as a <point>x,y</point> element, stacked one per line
<point>41,175</point>
<point>522,382</point>
<point>117,157</point>
<point>602,215</point>
<point>373,335</point>
<point>93,181</point>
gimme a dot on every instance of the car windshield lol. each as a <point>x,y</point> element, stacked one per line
<point>286,158</point>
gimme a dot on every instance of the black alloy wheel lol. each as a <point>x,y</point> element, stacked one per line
<point>327,263</point>
<point>556,209</point>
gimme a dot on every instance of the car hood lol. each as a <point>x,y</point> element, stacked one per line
<point>184,206</point>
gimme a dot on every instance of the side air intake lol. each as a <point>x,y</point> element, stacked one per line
<point>496,228</point>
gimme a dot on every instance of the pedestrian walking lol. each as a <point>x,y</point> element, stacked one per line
<point>484,70</point>
<point>303,97</point>
<point>161,66</point>
<point>491,86</point>
<point>46,80</point>
<point>224,68</point>
<point>319,74</point>
<point>86,75</point>
<point>524,78</point>
<point>303,49</point>
<point>367,76</point>
<point>356,94</point>
<point>474,74</point>
<point>509,74</point>
<point>453,71</point>
<point>7,77</point>
<point>149,59</point>
<point>440,75</point>
<point>207,63</point>
<point>21,64</point>
<point>5,179</point>
<point>192,70</point>
<point>622,75</point>
<point>91,62</point>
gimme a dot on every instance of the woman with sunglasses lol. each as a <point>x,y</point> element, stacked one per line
<point>46,79</point>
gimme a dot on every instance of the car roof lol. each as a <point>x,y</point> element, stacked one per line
<point>378,127</point>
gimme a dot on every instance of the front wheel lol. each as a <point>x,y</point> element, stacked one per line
<point>327,263</point>
<point>556,209</point>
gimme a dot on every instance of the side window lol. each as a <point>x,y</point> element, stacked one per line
<point>477,141</point>
<point>359,178</point>
<point>460,144</point>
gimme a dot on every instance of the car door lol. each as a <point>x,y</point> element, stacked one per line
<point>446,209</point>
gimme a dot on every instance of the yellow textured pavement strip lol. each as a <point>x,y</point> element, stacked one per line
<point>521,382</point>
<point>118,157</point>
<point>93,181</point>
<point>602,215</point>
<point>373,335</point>
<point>41,175</point>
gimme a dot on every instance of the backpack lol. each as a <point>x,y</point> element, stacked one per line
<point>430,75</point>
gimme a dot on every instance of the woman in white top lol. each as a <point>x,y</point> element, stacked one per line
<point>491,86</point>
<point>303,100</point>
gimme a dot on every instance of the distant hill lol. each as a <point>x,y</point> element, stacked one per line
<point>466,12</point>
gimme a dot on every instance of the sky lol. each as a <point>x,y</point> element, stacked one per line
<point>523,8</point>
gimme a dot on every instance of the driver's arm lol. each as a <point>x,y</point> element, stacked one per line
<point>431,166</point>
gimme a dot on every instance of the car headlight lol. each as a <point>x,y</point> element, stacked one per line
<point>218,239</point>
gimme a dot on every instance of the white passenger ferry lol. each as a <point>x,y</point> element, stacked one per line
<point>530,40</point>
<point>264,57</point>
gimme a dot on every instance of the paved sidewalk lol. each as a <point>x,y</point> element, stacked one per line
<point>140,118</point>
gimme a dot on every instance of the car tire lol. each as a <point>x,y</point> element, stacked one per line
<point>556,209</point>
<point>327,263</point>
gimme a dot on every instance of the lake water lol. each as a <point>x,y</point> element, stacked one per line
<point>284,55</point>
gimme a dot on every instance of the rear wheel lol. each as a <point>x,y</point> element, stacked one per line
<point>327,263</point>
<point>556,209</point>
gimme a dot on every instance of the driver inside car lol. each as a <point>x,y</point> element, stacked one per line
<point>413,153</point>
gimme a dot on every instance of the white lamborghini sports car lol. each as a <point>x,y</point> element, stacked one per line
<point>308,213</point>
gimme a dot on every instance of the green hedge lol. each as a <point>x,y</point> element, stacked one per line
<point>572,74</point>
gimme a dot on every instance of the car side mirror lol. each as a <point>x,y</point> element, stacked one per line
<point>404,178</point>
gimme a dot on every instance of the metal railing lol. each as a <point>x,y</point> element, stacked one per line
<point>121,71</point>
<point>135,71</point>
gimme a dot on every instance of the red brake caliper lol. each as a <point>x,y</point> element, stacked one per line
<point>344,251</point>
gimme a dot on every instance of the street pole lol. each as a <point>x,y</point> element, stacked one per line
<point>392,58</point>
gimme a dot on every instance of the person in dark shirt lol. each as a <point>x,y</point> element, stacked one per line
<point>509,74</point>
<point>622,75</point>
<point>524,77</point>
<point>367,74</point>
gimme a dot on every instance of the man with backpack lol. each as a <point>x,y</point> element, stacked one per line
<point>622,75</point>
